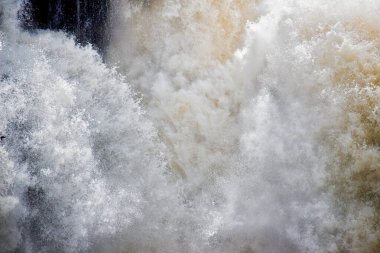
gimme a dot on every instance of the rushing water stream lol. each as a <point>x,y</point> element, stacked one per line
<point>203,126</point>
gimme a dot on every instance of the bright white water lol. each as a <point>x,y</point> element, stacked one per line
<point>224,126</point>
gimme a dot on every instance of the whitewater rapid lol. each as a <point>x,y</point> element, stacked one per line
<point>208,126</point>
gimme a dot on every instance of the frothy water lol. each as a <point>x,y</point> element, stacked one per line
<point>212,126</point>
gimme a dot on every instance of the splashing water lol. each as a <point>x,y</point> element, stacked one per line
<point>225,126</point>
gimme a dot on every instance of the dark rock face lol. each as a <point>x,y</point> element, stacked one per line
<point>86,19</point>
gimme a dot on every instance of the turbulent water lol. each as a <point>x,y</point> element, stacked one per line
<point>209,126</point>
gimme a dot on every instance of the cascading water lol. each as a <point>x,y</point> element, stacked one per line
<point>212,126</point>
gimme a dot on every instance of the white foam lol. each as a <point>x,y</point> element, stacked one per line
<point>212,134</point>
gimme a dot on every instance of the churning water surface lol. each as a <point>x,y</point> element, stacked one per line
<point>208,126</point>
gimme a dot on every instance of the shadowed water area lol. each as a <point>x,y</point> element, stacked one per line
<point>87,20</point>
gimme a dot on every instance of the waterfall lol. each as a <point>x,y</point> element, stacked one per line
<point>189,126</point>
